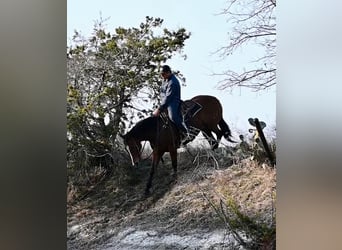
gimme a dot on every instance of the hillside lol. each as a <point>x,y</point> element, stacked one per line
<point>179,214</point>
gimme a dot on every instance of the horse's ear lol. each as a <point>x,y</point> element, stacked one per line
<point>251,122</point>
<point>262,124</point>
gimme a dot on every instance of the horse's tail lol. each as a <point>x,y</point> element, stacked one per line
<point>226,131</point>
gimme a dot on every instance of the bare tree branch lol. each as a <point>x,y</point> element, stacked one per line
<point>253,23</point>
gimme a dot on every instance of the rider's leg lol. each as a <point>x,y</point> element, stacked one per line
<point>176,117</point>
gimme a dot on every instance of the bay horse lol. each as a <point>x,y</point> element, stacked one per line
<point>201,113</point>
<point>206,117</point>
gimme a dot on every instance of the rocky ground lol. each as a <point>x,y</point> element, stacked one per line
<point>178,214</point>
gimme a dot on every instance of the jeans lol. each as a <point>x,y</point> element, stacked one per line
<point>176,117</point>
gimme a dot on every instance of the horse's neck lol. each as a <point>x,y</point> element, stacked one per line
<point>142,136</point>
<point>147,130</point>
<point>146,137</point>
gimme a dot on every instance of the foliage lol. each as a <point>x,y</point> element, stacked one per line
<point>110,75</point>
<point>253,22</point>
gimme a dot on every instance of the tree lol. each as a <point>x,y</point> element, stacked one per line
<point>108,74</point>
<point>253,22</point>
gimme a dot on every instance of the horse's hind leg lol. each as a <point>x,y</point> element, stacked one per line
<point>219,135</point>
<point>209,136</point>
<point>155,160</point>
<point>225,130</point>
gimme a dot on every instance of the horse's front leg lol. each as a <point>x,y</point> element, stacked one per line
<point>161,158</point>
<point>155,160</point>
<point>173,155</point>
<point>192,133</point>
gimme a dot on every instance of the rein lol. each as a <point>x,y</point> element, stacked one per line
<point>166,123</point>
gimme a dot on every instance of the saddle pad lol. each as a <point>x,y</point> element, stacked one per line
<point>189,109</point>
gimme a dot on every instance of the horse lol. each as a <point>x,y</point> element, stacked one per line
<point>201,113</point>
<point>163,137</point>
<point>204,113</point>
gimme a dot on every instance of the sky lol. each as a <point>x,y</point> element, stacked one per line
<point>209,32</point>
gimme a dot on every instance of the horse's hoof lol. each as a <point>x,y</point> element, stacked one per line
<point>174,178</point>
<point>147,192</point>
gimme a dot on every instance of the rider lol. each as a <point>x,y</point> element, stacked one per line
<point>170,99</point>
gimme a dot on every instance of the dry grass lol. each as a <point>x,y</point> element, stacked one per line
<point>204,179</point>
<point>250,185</point>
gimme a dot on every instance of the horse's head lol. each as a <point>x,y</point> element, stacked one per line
<point>133,147</point>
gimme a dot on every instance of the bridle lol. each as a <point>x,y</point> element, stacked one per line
<point>135,144</point>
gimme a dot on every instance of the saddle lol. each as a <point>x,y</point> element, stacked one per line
<point>188,108</point>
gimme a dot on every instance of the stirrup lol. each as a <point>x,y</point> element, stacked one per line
<point>186,138</point>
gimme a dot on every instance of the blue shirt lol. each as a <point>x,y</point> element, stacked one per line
<point>170,93</point>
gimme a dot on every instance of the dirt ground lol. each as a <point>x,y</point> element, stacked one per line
<point>178,213</point>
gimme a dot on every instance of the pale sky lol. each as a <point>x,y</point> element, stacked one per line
<point>209,33</point>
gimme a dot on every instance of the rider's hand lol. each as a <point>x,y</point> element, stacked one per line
<point>156,112</point>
